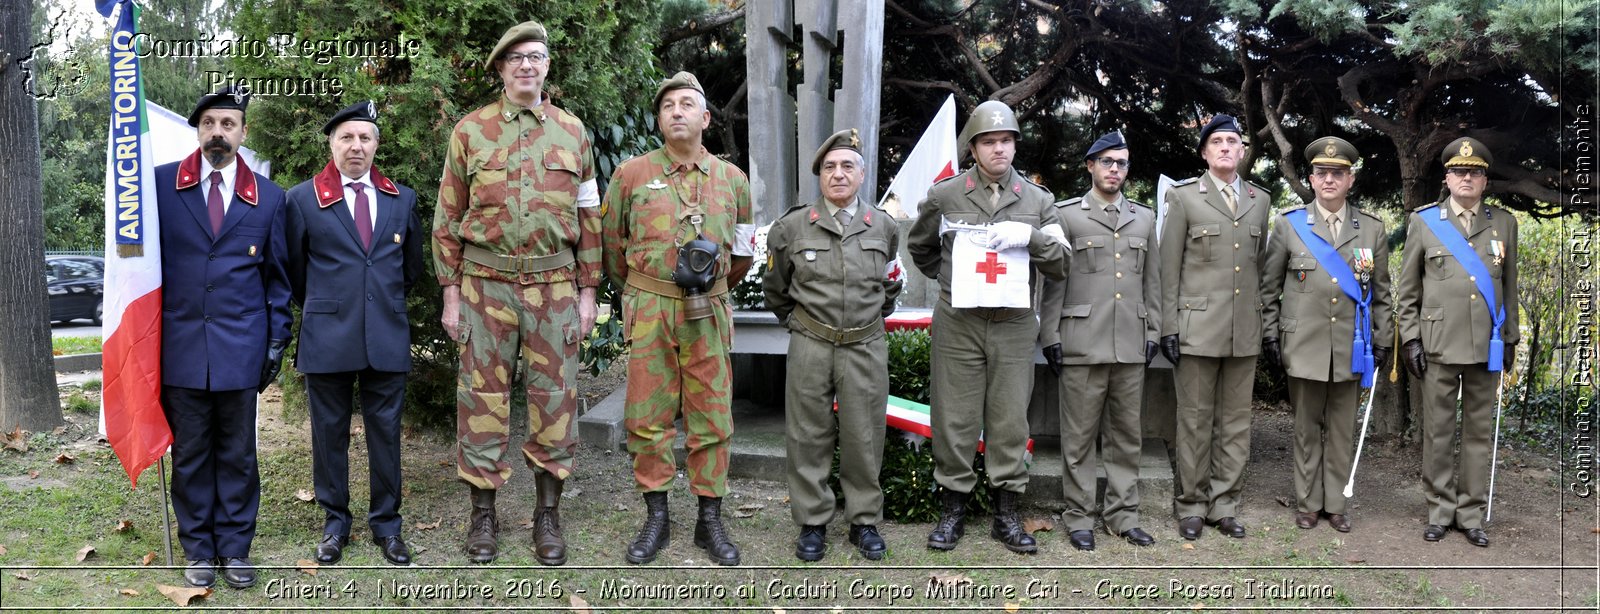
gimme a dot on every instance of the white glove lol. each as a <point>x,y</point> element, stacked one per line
<point>1006,235</point>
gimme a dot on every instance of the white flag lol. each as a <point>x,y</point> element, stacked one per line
<point>932,160</point>
<point>982,277</point>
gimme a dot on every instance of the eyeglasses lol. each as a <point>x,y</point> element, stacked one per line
<point>536,58</point>
<point>1109,162</point>
<point>1330,173</point>
<point>1467,172</point>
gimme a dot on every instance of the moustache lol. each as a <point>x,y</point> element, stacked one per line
<point>218,142</point>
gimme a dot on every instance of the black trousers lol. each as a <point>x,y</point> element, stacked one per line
<point>216,488</point>
<point>332,398</point>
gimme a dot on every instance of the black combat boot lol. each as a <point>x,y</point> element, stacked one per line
<point>656,532</point>
<point>548,545</point>
<point>712,536</point>
<point>1008,527</point>
<point>952,520</point>
<point>483,533</point>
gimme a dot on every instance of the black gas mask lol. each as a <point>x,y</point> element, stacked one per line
<point>696,272</point>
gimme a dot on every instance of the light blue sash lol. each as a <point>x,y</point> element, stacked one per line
<point>1468,257</point>
<point>1361,362</point>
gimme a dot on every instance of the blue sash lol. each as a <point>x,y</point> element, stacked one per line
<point>1468,257</point>
<point>1361,362</point>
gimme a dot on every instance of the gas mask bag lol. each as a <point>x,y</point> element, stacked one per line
<point>696,272</point>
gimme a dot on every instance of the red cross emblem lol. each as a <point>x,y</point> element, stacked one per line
<point>991,267</point>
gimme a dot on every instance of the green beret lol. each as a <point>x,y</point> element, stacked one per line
<point>520,33</point>
<point>1466,151</point>
<point>1332,151</point>
<point>843,139</point>
<point>682,80</point>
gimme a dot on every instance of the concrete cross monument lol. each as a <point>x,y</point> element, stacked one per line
<point>785,131</point>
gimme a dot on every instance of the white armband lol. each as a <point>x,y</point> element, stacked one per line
<point>588,194</point>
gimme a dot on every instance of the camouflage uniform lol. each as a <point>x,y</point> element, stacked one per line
<point>675,364</point>
<point>508,206</point>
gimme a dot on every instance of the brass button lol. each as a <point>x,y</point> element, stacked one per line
<point>1333,319</point>
<point>1235,290</point>
<point>1236,246</point>
<point>1236,269</point>
<point>1119,274</point>
<point>1119,297</point>
<point>1472,297</point>
<point>1119,256</point>
<point>1235,224</point>
<point>1335,280</point>
<point>1116,235</point>
<point>1334,300</point>
<point>1472,278</point>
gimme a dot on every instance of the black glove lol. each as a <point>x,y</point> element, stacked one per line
<point>616,304</point>
<point>1150,350</point>
<point>1052,357</point>
<point>1508,358</point>
<point>269,371</point>
<point>1169,348</point>
<point>1274,352</point>
<point>1380,358</point>
<point>1416,360</point>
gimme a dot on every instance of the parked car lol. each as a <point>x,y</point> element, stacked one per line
<point>75,284</point>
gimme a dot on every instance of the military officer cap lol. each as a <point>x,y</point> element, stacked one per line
<point>520,33</point>
<point>1221,122</point>
<point>1466,151</point>
<point>1111,140</point>
<point>843,139</point>
<point>364,111</point>
<point>229,97</point>
<point>1332,151</point>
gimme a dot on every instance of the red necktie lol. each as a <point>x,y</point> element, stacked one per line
<point>214,202</point>
<point>363,214</point>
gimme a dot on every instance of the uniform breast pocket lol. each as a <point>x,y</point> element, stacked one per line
<point>1025,218</point>
<point>1088,251</point>
<point>488,171</point>
<point>1439,264</point>
<point>874,258</point>
<point>812,259</point>
<point>1139,246</point>
<point>559,181</point>
<point>250,242</point>
<point>1203,239</point>
<point>1300,274</point>
<point>1255,240</point>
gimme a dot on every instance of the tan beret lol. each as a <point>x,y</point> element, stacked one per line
<point>520,33</point>
<point>843,139</point>
<point>682,80</point>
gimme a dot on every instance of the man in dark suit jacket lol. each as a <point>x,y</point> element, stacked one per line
<point>224,323</point>
<point>354,252</point>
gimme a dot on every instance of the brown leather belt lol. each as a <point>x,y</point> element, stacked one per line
<point>670,289</point>
<point>517,264</point>
<point>836,336</point>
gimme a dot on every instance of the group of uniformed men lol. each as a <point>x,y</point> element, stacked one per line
<point>522,238</point>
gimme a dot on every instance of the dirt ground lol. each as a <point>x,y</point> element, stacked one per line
<point>1543,556</point>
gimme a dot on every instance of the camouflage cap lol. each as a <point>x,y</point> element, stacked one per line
<point>520,33</point>
<point>682,80</point>
<point>1332,151</point>
<point>229,97</point>
<point>364,111</point>
<point>843,139</point>
<point>1466,151</point>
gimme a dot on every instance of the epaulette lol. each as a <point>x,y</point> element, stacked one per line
<point>1287,210</point>
<point>1070,202</point>
<point>1365,213</point>
<point>1186,181</point>
<point>1033,183</point>
<point>1139,203</point>
<point>793,209</point>
<point>1251,184</point>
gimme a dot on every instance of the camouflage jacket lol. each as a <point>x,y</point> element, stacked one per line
<point>648,208</point>
<point>510,186</point>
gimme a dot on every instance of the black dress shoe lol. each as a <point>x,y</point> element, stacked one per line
<point>1433,533</point>
<point>865,538</point>
<point>1137,537</point>
<point>201,573</point>
<point>1082,539</point>
<point>331,548</point>
<point>1190,526</point>
<point>238,572</point>
<point>1478,538</point>
<point>813,543</point>
<point>1230,527</point>
<point>394,549</point>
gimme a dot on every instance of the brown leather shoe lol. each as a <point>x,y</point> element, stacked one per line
<point>1230,527</point>
<point>1433,533</point>
<point>1190,526</point>
<point>548,544</point>
<point>1305,520</point>
<point>1339,523</point>
<point>483,531</point>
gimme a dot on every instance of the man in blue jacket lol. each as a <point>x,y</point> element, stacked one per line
<point>224,323</point>
<point>355,249</point>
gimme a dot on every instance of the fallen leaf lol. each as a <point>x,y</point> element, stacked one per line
<point>33,475</point>
<point>1012,607</point>
<point>307,566</point>
<point>183,596</point>
<point>17,439</point>
<point>59,431</point>
<point>2,549</point>
<point>1354,561</point>
<point>1188,546</point>
<point>527,523</point>
<point>304,495</point>
<point>948,578</point>
<point>747,510</point>
<point>85,552</point>
<point>445,463</point>
<point>1595,530</point>
<point>1198,606</point>
<point>1284,501</point>
<point>65,459</point>
<point>429,526</point>
<point>148,558</point>
<point>128,592</point>
<point>1034,525</point>
<point>22,575</point>
<point>579,605</point>
<point>123,526</point>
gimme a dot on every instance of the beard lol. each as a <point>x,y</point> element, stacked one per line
<point>217,150</point>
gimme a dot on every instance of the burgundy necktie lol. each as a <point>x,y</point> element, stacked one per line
<point>214,202</point>
<point>363,214</point>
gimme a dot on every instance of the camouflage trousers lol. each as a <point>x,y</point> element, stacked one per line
<point>532,329</point>
<point>677,366</point>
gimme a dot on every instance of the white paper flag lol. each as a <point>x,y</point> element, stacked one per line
<point>981,277</point>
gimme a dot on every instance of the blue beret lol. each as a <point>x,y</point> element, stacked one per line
<point>1111,140</point>
<point>229,97</point>
<point>364,111</point>
<point>1221,123</point>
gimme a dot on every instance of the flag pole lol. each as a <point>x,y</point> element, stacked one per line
<point>166,508</point>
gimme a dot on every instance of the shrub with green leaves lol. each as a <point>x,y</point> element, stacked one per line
<point>910,493</point>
